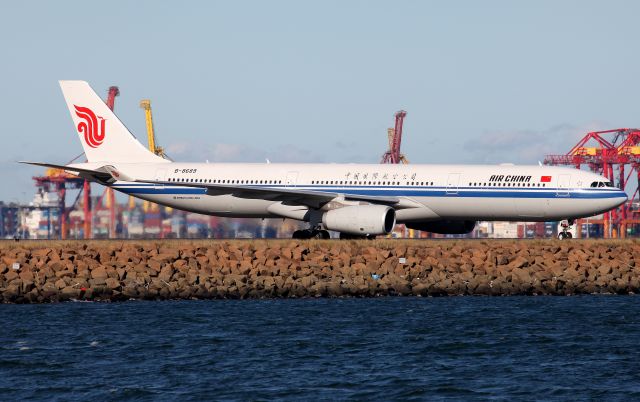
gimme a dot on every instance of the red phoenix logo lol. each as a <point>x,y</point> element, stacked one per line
<point>93,133</point>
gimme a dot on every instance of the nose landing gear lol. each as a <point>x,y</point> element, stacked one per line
<point>566,226</point>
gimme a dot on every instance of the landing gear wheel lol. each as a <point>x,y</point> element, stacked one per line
<point>323,235</point>
<point>307,234</point>
<point>564,235</point>
<point>299,235</point>
<point>346,236</point>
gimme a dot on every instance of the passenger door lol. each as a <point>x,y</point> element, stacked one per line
<point>452,183</point>
<point>564,180</point>
<point>160,176</point>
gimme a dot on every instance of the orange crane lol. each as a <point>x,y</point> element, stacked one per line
<point>151,140</point>
<point>151,136</point>
<point>145,104</point>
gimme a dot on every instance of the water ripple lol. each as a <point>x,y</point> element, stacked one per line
<point>551,348</point>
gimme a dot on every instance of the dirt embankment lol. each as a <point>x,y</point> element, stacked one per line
<point>36,272</point>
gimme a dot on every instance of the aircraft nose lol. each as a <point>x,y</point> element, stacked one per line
<point>621,198</point>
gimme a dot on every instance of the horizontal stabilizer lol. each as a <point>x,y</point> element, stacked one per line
<point>100,174</point>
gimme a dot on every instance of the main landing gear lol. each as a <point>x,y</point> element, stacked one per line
<point>321,234</point>
<point>318,234</point>
<point>346,236</point>
<point>566,226</point>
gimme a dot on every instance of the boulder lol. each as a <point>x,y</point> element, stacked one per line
<point>166,273</point>
<point>97,282</point>
<point>419,289</point>
<point>99,273</point>
<point>519,262</point>
<point>112,283</point>
<point>60,284</point>
<point>11,275</point>
<point>26,275</point>
<point>69,292</point>
<point>308,281</point>
<point>11,293</point>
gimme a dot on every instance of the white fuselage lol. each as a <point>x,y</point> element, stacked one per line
<point>429,192</point>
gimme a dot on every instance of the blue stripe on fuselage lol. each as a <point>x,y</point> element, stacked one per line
<point>471,192</point>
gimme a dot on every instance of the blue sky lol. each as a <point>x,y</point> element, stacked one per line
<point>482,82</point>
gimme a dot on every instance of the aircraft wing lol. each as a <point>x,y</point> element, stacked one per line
<point>311,198</point>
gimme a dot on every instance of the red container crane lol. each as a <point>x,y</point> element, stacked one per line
<point>608,157</point>
<point>111,199</point>
<point>393,155</point>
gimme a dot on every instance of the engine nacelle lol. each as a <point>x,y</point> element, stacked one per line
<point>443,226</point>
<point>361,219</point>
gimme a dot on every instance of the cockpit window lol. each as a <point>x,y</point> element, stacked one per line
<point>601,184</point>
<point>594,184</point>
<point>608,184</point>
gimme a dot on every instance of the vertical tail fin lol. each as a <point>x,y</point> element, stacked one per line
<point>103,136</point>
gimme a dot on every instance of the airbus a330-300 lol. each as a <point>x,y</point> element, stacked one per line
<point>356,200</point>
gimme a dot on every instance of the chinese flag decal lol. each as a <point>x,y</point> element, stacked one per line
<point>545,179</point>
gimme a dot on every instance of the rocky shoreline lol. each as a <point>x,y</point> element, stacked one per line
<point>41,272</point>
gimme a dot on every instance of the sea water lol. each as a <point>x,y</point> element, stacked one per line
<point>459,348</point>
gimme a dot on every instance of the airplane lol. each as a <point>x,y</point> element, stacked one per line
<point>355,200</point>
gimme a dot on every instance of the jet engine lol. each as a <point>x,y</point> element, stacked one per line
<point>361,219</point>
<point>444,226</point>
